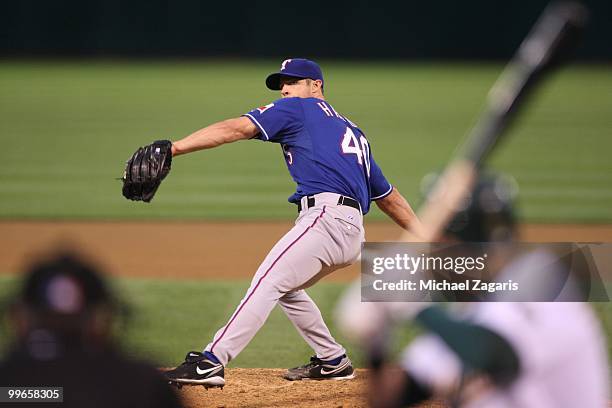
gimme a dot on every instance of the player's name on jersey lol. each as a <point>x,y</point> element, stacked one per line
<point>431,285</point>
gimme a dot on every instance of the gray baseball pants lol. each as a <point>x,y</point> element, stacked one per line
<point>325,237</point>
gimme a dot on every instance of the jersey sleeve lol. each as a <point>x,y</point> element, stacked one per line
<point>379,186</point>
<point>278,120</point>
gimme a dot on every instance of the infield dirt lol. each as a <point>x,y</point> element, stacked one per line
<point>206,250</point>
<point>266,388</point>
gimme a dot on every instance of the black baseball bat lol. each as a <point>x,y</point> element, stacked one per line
<point>549,41</point>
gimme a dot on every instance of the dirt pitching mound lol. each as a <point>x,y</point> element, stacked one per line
<point>265,387</point>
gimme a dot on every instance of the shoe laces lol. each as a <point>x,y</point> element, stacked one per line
<point>314,361</point>
<point>194,357</point>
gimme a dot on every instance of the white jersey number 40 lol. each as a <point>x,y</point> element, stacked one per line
<point>360,148</point>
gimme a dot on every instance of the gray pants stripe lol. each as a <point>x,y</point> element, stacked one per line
<point>262,278</point>
<point>325,237</point>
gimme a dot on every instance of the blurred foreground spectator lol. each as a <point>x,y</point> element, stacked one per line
<point>62,319</point>
<point>498,353</point>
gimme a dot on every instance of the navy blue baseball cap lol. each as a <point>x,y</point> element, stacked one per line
<point>297,68</point>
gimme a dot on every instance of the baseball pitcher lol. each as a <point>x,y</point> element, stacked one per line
<point>330,159</point>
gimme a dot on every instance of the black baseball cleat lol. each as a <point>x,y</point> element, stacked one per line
<point>198,369</point>
<point>317,369</point>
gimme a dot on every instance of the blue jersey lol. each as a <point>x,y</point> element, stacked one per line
<point>324,151</point>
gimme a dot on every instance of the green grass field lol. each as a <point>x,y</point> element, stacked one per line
<point>169,318</point>
<point>66,129</point>
<point>173,317</point>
